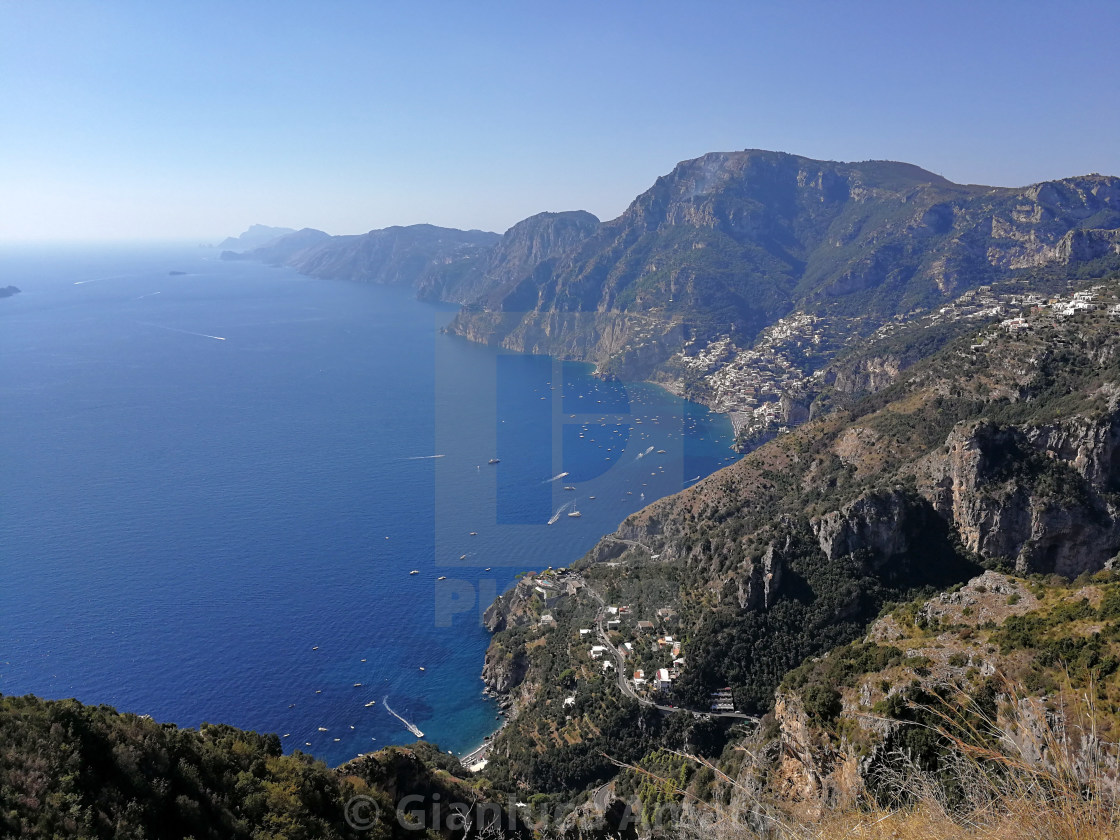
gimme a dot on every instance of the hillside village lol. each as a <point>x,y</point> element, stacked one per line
<point>760,387</point>
<point>642,653</point>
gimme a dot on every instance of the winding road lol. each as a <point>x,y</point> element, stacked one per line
<point>624,684</point>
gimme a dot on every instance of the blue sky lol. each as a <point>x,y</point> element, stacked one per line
<point>192,120</point>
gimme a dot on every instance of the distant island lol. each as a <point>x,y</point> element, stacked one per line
<point>8,291</point>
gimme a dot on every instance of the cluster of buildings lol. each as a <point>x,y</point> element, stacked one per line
<point>641,649</point>
<point>665,647</point>
<point>552,585</point>
<point>1057,306</point>
<point>748,384</point>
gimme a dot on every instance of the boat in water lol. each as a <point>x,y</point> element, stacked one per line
<point>493,461</point>
<point>575,514</point>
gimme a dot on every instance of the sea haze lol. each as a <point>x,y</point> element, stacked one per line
<point>216,484</point>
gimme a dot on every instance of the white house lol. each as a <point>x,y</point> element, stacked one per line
<point>583,631</point>
<point>597,651</point>
<point>664,681</point>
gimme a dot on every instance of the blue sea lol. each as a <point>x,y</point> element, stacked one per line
<point>216,484</point>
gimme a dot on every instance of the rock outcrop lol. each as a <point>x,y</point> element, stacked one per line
<point>1037,497</point>
<point>504,670</point>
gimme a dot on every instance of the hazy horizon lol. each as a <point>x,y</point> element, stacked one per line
<point>133,122</point>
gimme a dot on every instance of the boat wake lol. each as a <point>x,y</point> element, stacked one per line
<point>411,727</point>
<point>184,332</point>
<point>150,294</point>
<point>556,477</point>
<point>422,457</point>
<point>643,454</point>
<point>560,511</point>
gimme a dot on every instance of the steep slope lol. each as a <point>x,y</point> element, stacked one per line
<point>69,770</point>
<point>1000,450</point>
<point>1019,650</point>
<point>728,243</point>
<point>395,255</point>
<point>523,255</point>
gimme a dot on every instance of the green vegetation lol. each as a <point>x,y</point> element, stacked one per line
<point>69,770</point>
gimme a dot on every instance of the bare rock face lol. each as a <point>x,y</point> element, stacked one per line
<point>760,586</point>
<point>812,769</point>
<point>1037,498</point>
<point>510,609</point>
<point>1086,245</point>
<point>504,670</point>
<point>869,375</point>
<point>877,522</point>
<point>1091,448</point>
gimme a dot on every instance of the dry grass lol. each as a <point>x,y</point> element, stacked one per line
<point>1028,773</point>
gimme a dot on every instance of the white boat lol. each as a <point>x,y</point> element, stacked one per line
<point>493,461</point>
<point>322,729</point>
<point>442,577</point>
<point>575,514</point>
<point>371,703</point>
<point>414,572</point>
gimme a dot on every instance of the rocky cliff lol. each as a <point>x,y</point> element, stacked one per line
<point>730,242</point>
<point>513,268</point>
<point>970,660</point>
<point>414,256</point>
<point>986,481</point>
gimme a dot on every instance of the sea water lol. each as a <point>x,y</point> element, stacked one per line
<point>217,483</point>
